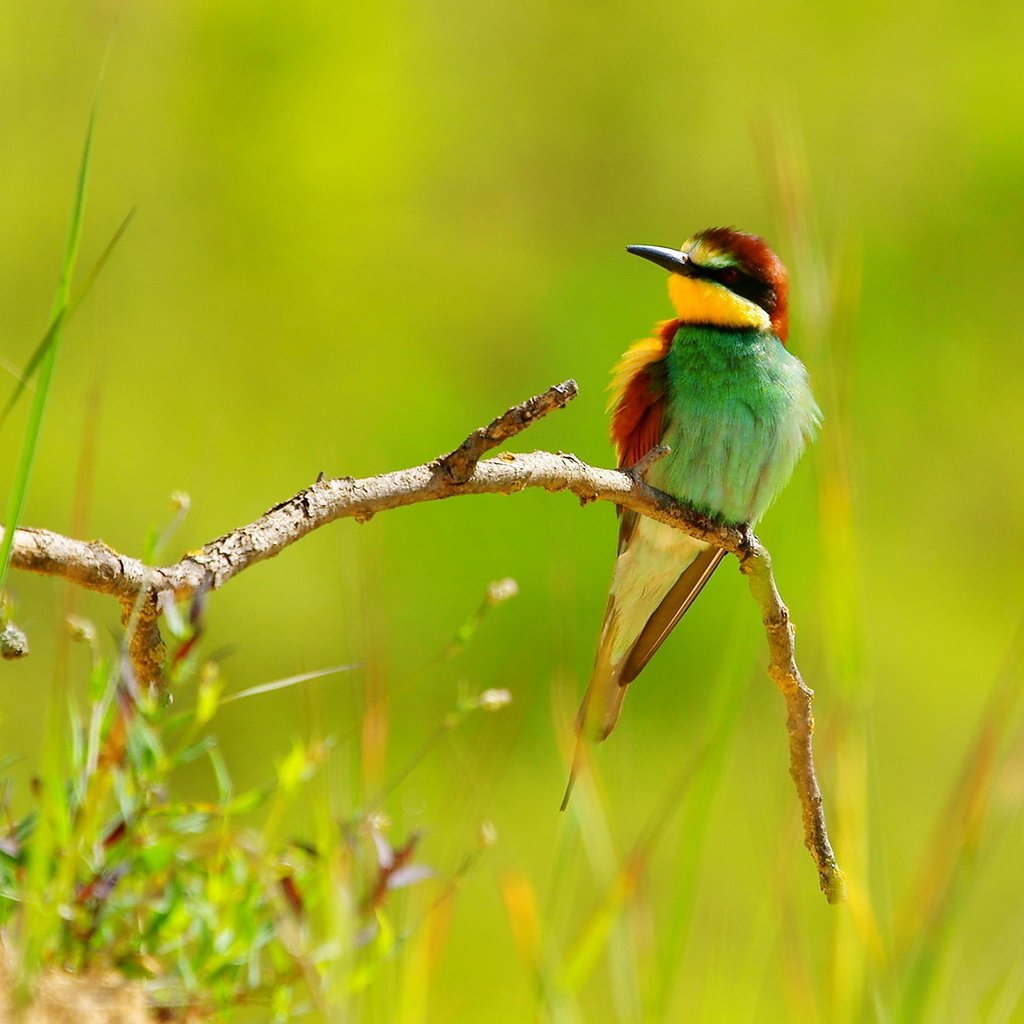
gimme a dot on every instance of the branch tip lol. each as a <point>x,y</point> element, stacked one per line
<point>458,466</point>
<point>639,468</point>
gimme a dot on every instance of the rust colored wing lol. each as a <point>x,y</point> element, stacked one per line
<point>639,386</point>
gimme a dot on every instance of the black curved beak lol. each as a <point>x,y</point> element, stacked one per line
<point>672,260</point>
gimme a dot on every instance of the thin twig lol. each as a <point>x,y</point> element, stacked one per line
<point>458,465</point>
<point>644,463</point>
<point>142,589</point>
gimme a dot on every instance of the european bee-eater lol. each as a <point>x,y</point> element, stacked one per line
<point>717,385</point>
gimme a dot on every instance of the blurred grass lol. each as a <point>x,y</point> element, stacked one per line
<point>363,232</point>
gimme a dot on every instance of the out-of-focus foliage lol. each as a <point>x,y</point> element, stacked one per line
<point>365,229</point>
<point>192,903</point>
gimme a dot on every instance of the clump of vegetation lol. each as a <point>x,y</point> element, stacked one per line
<point>202,906</point>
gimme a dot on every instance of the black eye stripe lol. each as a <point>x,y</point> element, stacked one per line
<point>746,286</point>
<point>723,274</point>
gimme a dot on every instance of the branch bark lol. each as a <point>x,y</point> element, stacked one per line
<point>142,589</point>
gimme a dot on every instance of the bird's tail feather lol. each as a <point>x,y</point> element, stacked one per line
<point>601,704</point>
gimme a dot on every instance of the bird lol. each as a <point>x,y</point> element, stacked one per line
<point>718,387</point>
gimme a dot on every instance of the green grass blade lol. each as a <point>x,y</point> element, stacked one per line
<point>48,359</point>
<point>29,371</point>
<point>104,257</point>
<point>282,684</point>
<point>47,339</point>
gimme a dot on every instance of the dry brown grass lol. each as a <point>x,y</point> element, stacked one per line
<point>96,997</point>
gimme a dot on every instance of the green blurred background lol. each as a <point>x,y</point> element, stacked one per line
<point>365,229</point>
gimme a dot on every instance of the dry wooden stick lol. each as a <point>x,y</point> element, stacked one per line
<point>142,590</point>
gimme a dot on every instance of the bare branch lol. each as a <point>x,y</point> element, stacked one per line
<point>90,564</point>
<point>96,566</point>
<point>783,669</point>
<point>141,589</point>
<point>458,465</point>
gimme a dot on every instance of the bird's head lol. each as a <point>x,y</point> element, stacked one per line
<point>725,278</point>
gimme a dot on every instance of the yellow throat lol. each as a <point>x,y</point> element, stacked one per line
<point>698,301</point>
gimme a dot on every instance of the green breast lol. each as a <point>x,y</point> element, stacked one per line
<point>739,413</point>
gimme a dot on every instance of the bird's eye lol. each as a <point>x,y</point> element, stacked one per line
<point>729,275</point>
